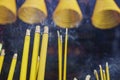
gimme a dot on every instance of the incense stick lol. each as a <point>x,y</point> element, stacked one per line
<point>104,75</point>
<point>2,59</point>
<point>35,53</point>
<point>101,72</point>
<point>43,55</point>
<point>96,74</point>
<point>107,71</point>
<point>60,55</point>
<point>65,56</point>
<point>12,68</point>
<point>23,71</point>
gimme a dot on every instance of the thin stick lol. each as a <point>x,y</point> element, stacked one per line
<point>65,56</point>
<point>43,55</point>
<point>23,71</point>
<point>104,75</point>
<point>60,55</point>
<point>35,53</point>
<point>101,72</point>
<point>12,68</point>
<point>2,59</point>
<point>96,74</point>
<point>107,71</point>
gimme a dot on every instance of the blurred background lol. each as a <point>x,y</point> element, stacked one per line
<point>87,46</point>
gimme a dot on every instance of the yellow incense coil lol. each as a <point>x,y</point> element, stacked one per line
<point>35,54</point>
<point>43,55</point>
<point>12,68</point>
<point>24,63</point>
<point>7,11</point>
<point>33,11</point>
<point>67,14</point>
<point>106,14</point>
<point>2,59</point>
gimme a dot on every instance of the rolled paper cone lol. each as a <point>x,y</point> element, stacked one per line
<point>35,54</point>
<point>0,47</point>
<point>67,16</point>
<point>96,75</point>
<point>59,55</point>
<point>104,75</point>
<point>107,71</point>
<point>2,59</point>
<point>107,16</point>
<point>101,72</point>
<point>65,56</point>
<point>43,55</point>
<point>75,78</point>
<point>23,71</point>
<point>88,77</point>
<point>33,11</point>
<point>12,67</point>
<point>7,11</point>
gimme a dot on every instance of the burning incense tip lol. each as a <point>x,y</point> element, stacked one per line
<point>15,55</point>
<point>46,29</point>
<point>75,78</point>
<point>66,30</point>
<point>106,63</point>
<point>0,46</point>
<point>100,66</point>
<point>28,32</point>
<point>95,71</point>
<point>3,52</point>
<point>88,77</point>
<point>61,38</point>
<point>58,33</point>
<point>37,29</point>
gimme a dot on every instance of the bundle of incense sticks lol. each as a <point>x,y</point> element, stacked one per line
<point>60,50</point>
<point>104,74</point>
<point>2,55</point>
<point>43,54</point>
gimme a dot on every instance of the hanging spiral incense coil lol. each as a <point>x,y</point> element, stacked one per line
<point>33,11</point>
<point>67,14</point>
<point>7,11</point>
<point>106,14</point>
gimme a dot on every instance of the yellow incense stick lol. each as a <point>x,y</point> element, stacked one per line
<point>1,46</point>
<point>60,55</point>
<point>96,74</point>
<point>101,72</point>
<point>107,72</point>
<point>104,75</point>
<point>65,56</point>
<point>38,63</point>
<point>24,64</point>
<point>35,53</point>
<point>2,59</point>
<point>88,77</point>
<point>12,68</point>
<point>43,55</point>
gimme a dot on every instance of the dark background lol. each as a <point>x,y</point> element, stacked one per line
<point>87,46</point>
